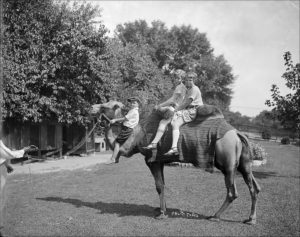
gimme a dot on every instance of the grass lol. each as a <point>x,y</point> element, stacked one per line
<point>120,199</point>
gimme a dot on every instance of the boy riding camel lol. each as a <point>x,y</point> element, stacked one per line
<point>187,111</point>
<point>168,107</point>
<point>129,121</point>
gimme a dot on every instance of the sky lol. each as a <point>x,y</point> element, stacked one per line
<point>252,36</point>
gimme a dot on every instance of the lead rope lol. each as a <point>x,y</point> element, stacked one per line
<point>30,182</point>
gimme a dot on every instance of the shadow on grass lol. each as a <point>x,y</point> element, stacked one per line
<point>125,209</point>
<point>264,175</point>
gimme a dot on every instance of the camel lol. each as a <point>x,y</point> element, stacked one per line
<point>231,153</point>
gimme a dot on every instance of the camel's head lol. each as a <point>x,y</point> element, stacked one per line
<point>108,111</point>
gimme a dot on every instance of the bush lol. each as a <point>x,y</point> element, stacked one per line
<point>293,136</point>
<point>266,134</point>
<point>285,140</point>
<point>297,142</point>
<point>257,151</point>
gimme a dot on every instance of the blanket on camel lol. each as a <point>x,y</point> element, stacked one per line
<point>197,139</point>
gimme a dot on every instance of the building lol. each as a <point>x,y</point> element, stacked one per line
<point>53,139</point>
<point>100,144</point>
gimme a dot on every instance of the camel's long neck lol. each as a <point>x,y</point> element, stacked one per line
<point>111,136</point>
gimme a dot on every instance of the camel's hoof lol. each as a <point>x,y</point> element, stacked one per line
<point>250,221</point>
<point>161,216</point>
<point>213,218</point>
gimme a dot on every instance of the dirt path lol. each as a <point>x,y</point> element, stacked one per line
<point>70,163</point>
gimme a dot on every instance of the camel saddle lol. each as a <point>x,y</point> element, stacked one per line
<point>197,139</point>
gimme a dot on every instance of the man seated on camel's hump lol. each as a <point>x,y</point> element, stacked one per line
<point>187,111</point>
<point>129,121</point>
<point>168,107</point>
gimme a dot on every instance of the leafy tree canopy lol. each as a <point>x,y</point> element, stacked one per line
<point>267,118</point>
<point>54,60</point>
<point>57,63</point>
<point>183,48</point>
<point>236,118</point>
<point>133,73</point>
<point>287,107</point>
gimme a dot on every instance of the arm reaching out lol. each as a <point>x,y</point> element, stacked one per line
<point>7,154</point>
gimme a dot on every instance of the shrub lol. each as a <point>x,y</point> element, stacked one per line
<point>266,134</point>
<point>257,151</point>
<point>292,136</point>
<point>285,140</point>
<point>297,142</point>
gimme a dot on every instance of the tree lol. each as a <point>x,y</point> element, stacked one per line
<point>55,61</point>
<point>185,48</point>
<point>287,107</point>
<point>156,36</point>
<point>133,72</point>
<point>267,119</point>
<point>236,118</point>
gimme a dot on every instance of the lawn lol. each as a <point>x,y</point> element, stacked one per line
<point>120,200</point>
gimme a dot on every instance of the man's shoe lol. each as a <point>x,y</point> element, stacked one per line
<point>152,146</point>
<point>173,151</point>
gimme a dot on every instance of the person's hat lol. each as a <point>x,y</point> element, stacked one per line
<point>134,98</point>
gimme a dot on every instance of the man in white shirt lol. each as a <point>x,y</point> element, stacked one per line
<point>187,111</point>
<point>130,120</point>
<point>169,106</point>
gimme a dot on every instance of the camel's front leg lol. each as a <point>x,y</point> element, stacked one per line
<point>157,170</point>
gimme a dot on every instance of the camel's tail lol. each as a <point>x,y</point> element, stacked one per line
<point>243,138</point>
<point>246,150</point>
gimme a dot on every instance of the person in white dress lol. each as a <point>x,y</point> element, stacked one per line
<point>5,155</point>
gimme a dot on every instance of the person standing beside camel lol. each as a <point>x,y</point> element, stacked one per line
<point>5,155</point>
<point>187,111</point>
<point>168,107</point>
<point>130,120</point>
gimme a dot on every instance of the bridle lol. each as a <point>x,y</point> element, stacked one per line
<point>103,120</point>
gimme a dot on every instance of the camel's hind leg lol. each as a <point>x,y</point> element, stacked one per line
<point>231,194</point>
<point>228,149</point>
<point>253,186</point>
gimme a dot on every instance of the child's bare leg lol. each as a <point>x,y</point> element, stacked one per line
<point>115,156</point>
<point>160,132</point>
